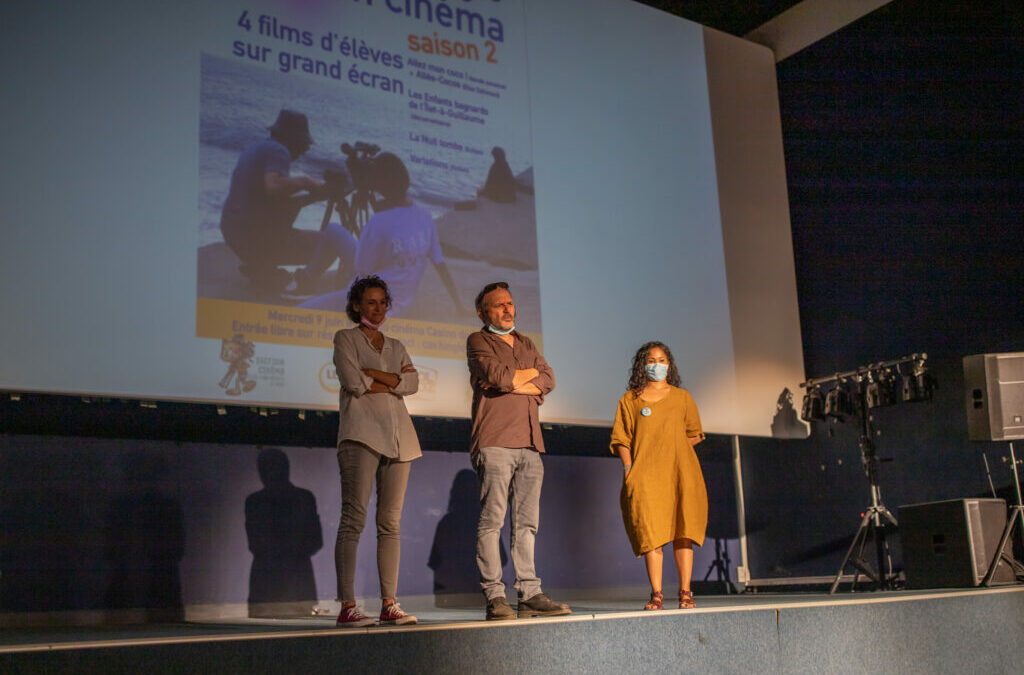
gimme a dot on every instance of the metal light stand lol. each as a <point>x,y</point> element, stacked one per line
<point>1017,512</point>
<point>874,515</point>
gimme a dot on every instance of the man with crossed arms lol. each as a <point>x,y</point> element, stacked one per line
<point>510,378</point>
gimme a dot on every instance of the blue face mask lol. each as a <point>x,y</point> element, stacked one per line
<point>656,372</point>
<point>499,331</point>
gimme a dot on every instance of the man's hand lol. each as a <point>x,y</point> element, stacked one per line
<point>528,389</point>
<point>277,185</point>
<point>309,184</point>
<point>523,377</point>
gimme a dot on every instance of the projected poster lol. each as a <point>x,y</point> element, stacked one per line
<point>338,140</point>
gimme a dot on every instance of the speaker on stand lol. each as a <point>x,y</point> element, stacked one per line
<point>994,397</point>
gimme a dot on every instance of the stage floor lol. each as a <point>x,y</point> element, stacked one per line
<point>585,609</point>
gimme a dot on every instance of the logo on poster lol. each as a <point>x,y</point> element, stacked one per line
<point>238,354</point>
<point>328,377</point>
<point>428,383</point>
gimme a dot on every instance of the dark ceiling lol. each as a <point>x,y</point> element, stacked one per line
<point>731,16</point>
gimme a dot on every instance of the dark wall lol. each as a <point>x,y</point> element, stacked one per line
<point>903,134</point>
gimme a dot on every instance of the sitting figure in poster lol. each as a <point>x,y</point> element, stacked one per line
<point>501,184</point>
<point>396,244</point>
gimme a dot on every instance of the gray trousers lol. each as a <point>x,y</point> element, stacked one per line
<point>359,466</point>
<point>510,479</point>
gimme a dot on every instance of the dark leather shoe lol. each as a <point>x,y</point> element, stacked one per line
<point>498,609</point>
<point>541,605</point>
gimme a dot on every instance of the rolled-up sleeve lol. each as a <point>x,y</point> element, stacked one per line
<point>408,382</point>
<point>545,380</point>
<point>486,367</point>
<point>350,376</point>
<point>622,430</point>
<point>693,426</point>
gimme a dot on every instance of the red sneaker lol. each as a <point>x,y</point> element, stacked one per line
<point>353,617</point>
<point>392,615</point>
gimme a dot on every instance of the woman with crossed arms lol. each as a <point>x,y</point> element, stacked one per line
<point>376,442</point>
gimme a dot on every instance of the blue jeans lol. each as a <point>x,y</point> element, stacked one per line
<point>509,478</point>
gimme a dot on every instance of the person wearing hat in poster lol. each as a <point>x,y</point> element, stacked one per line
<point>263,202</point>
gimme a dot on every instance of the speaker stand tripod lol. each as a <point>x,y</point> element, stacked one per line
<point>876,516</point>
<point>1017,511</point>
<point>721,566</point>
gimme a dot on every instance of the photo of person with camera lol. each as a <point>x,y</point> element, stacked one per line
<point>285,222</point>
<point>396,243</point>
<point>263,201</point>
<point>334,242</point>
<point>351,195</point>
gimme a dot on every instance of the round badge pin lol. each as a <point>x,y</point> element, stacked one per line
<point>646,412</point>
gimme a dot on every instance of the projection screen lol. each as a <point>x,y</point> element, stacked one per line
<point>648,199</point>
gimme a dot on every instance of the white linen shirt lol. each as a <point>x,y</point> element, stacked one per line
<point>381,422</point>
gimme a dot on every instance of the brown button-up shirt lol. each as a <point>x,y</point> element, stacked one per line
<point>500,417</point>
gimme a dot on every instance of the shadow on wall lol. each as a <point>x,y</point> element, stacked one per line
<point>453,553</point>
<point>51,543</point>
<point>786,423</point>
<point>716,464</point>
<point>144,541</point>
<point>283,529</point>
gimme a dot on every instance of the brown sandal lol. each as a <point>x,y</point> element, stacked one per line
<point>686,600</point>
<point>657,601</point>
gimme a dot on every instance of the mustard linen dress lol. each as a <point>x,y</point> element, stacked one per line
<point>663,497</point>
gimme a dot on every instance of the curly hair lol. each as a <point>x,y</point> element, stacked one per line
<point>360,286</point>
<point>638,373</point>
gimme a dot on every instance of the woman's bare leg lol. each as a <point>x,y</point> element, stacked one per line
<point>683,550</point>
<point>653,561</point>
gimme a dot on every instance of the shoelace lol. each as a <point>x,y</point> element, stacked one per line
<point>354,614</point>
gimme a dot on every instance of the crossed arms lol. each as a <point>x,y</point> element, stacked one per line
<point>357,380</point>
<point>384,382</point>
<point>490,371</point>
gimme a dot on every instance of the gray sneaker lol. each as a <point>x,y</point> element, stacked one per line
<point>498,609</point>
<point>541,605</point>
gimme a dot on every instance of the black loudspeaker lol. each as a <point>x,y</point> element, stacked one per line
<point>994,394</point>
<point>951,544</point>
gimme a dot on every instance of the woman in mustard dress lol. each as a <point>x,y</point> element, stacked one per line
<point>663,495</point>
